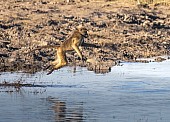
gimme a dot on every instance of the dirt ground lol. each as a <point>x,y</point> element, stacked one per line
<point>120,31</point>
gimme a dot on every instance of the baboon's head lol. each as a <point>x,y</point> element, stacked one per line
<point>83,31</point>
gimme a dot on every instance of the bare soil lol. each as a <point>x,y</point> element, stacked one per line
<point>119,31</point>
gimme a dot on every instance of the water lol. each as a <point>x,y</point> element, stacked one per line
<point>134,92</point>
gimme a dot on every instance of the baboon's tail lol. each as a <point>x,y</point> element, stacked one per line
<point>46,46</point>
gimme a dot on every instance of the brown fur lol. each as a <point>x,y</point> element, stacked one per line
<point>72,43</point>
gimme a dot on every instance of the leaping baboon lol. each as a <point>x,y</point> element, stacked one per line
<point>72,43</point>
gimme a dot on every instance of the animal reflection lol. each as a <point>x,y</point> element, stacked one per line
<point>64,112</point>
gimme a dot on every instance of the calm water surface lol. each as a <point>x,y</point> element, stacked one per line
<point>134,92</point>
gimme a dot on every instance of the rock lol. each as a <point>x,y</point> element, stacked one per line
<point>92,61</point>
<point>159,59</point>
<point>69,17</point>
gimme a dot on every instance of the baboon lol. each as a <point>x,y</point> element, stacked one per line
<point>72,43</point>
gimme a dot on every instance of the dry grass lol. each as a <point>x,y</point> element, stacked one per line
<point>154,2</point>
<point>162,2</point>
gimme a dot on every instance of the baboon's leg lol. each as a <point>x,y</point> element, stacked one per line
<point>50,72</point>
<point>47,67</point>
<point>138,2</point>
<point>52,64</point>
<point>75,47</point>
<point>61,56</point>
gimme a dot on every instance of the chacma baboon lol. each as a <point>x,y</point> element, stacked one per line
<point>72,43</point>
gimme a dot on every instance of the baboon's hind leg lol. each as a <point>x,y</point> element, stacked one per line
<point>52,64</point>
<point>48,67</point>
<point>61,57</point>
<point>56,67</point>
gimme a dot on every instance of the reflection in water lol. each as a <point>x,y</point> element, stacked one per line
<point>60,111</point>
<point>64,112</point>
